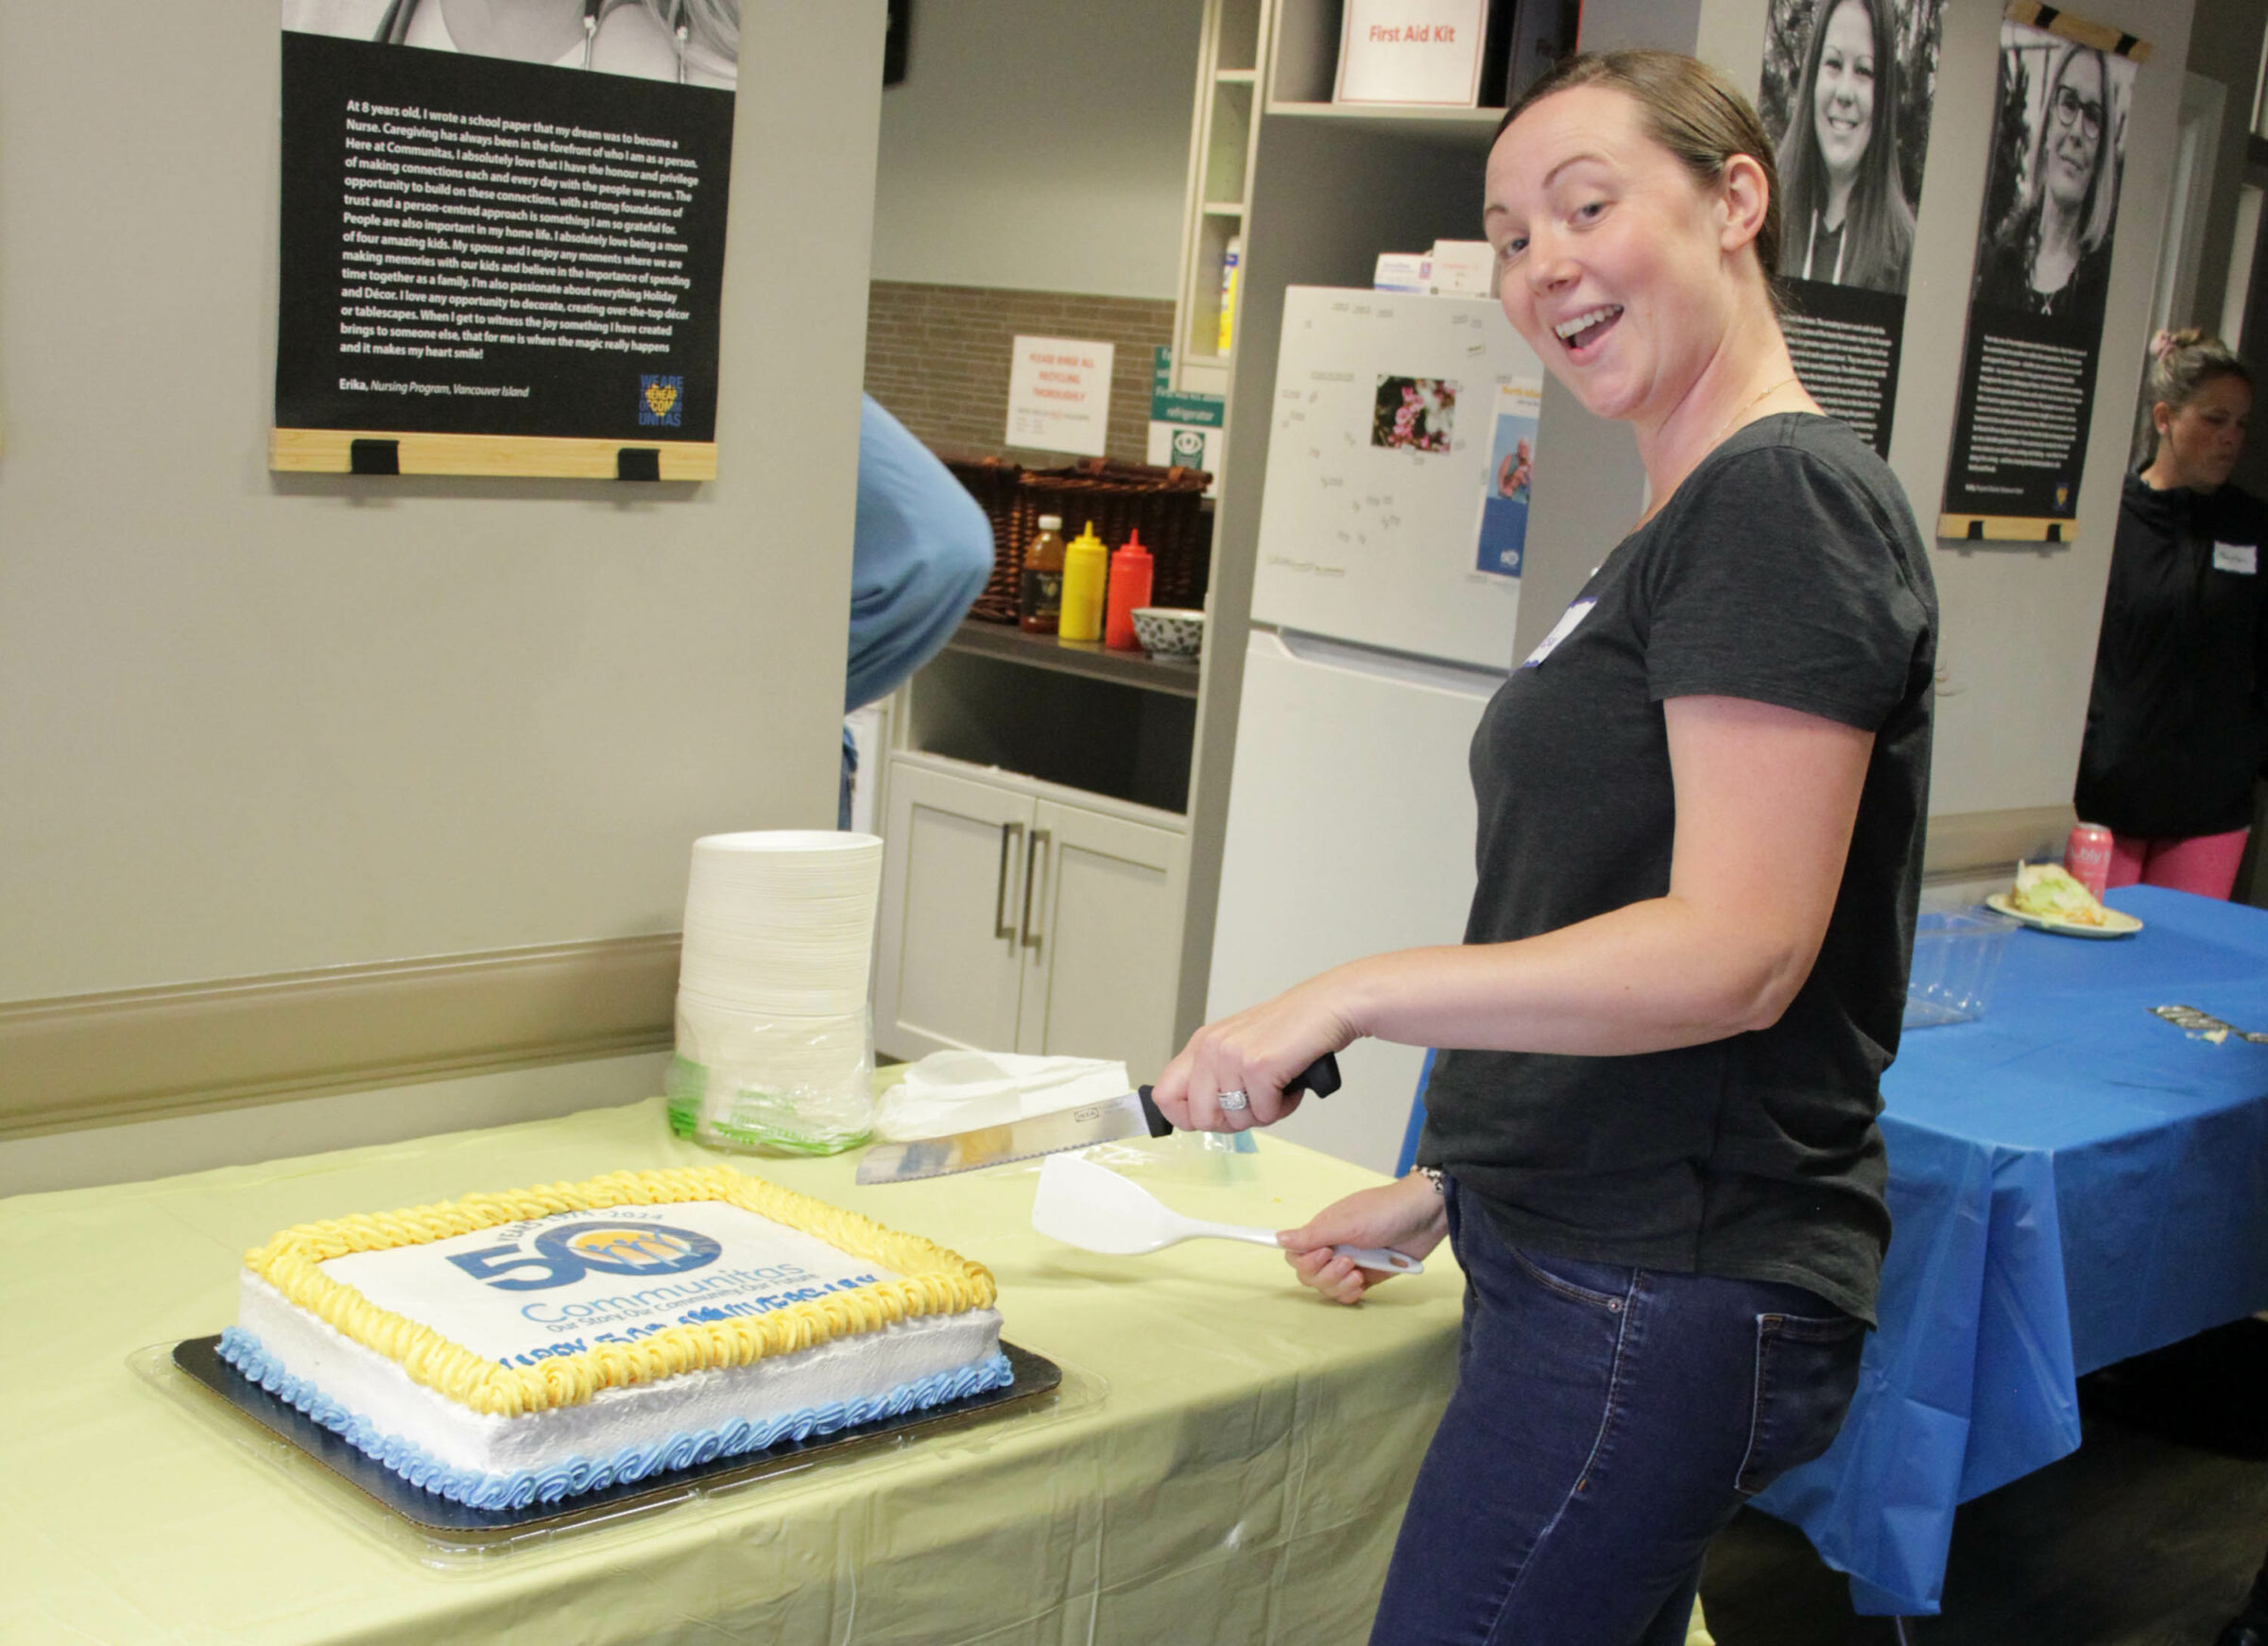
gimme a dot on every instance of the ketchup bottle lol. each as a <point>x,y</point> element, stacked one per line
<point>1131,572</point>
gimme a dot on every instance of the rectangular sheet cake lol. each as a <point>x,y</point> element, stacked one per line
<point>509,1349</point>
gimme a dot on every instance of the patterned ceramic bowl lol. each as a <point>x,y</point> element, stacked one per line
<point>1169,631</point>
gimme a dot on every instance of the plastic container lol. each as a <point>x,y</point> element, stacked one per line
<point>1085,567</point>
<point>1129,588</point>
<point>1040,594</point>
<point>1956,957</point>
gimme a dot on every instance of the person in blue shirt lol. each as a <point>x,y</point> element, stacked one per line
<point>920,552</point>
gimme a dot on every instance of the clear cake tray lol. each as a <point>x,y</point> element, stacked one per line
<point>447,1532</point>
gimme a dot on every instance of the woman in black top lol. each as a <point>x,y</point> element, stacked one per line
<point>1701,807</point>
<point>2177,724</point>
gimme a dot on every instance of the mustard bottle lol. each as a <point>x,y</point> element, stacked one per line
<point>1085,569</point>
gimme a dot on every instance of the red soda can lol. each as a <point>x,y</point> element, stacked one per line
<point>2087,857</point>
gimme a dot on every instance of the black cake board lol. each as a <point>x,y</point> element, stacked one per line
<point>1037,1379</point>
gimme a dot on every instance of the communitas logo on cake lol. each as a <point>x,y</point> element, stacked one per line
<point>565,1254</point>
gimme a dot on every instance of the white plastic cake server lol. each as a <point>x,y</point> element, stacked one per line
<point>1084,1205</point>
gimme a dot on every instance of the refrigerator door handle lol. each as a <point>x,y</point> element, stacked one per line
<point>1009,833</point>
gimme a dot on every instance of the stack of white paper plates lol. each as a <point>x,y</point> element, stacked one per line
<point>781,923</point>
<point>775,1044</point>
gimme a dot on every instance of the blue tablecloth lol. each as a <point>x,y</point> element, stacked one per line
<point>2073,1180</point>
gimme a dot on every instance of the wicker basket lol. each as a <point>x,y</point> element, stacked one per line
<point>992,481</point>
<point>1164,504</point>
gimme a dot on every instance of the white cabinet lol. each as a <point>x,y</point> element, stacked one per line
<point>1017,917</point>
<point>951,968</point>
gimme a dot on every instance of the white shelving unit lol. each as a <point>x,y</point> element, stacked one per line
<point>1224,134</point>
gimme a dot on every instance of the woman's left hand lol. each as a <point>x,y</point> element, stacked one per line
<point>1405,1216</point>
<point>1255,1052</point>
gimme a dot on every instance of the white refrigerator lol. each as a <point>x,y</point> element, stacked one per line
<point>1392,531</point>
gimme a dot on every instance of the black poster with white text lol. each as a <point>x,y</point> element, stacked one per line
<point>1846,92</point>
<point>2037,298</point>
<point>475,244</point>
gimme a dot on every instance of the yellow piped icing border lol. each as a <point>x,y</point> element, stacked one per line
<point>931,1280</point>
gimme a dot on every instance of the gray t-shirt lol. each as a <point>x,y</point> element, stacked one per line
<point>1786,569</point>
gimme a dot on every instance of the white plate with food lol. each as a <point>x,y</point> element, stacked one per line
<point>2114,922</point>
<point>2047,898</point>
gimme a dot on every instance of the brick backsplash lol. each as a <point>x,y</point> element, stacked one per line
<point>938,358</point>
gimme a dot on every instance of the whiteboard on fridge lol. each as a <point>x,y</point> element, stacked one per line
<point>1400,460</point>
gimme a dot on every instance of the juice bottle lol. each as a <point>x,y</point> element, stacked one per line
<point>1040,596</point>
<point>1086,566</point>
<point>1130,571</point>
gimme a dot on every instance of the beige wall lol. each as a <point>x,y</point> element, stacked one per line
<point>1039,145</point>
<point>251,724</point>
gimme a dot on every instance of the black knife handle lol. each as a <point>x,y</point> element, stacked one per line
<point>1320,1078</point>
<point>1160,1126</point>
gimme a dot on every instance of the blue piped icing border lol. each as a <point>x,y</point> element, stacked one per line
<point>578,1474</point>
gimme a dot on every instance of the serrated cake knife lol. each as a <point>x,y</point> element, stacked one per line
<point>1130,1116</point>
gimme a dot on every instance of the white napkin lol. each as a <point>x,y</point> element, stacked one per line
<point>959,1091</point>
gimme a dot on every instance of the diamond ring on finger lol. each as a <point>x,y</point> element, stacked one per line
<point>1234,1102</point>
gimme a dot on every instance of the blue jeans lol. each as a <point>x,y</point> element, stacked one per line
<point>1606,1423</point>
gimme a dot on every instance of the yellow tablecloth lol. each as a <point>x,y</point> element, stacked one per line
<point>1228,1463</point>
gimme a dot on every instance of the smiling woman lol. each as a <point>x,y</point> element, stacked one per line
<point>1650,1133</point>
<point>2052,254</point>
<point>1849,222</point>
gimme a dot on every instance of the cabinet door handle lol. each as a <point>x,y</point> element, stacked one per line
<point>1008,833</point>
<point>1039,841</point>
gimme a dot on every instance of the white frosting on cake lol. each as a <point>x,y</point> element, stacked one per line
<point>520,1294</point>
<point>373,1387</point>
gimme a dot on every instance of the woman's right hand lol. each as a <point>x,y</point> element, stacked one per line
<point>1407,1216</point>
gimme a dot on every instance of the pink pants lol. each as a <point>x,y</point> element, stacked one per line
<point>2202,864</point>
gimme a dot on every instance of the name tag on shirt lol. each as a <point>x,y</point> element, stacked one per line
<point>1560,631</point>
<point>2242,558</point>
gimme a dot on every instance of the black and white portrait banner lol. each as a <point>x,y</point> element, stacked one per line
<point>503,235</point>
<point>2066,91</point>
<point>1847,90</point>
